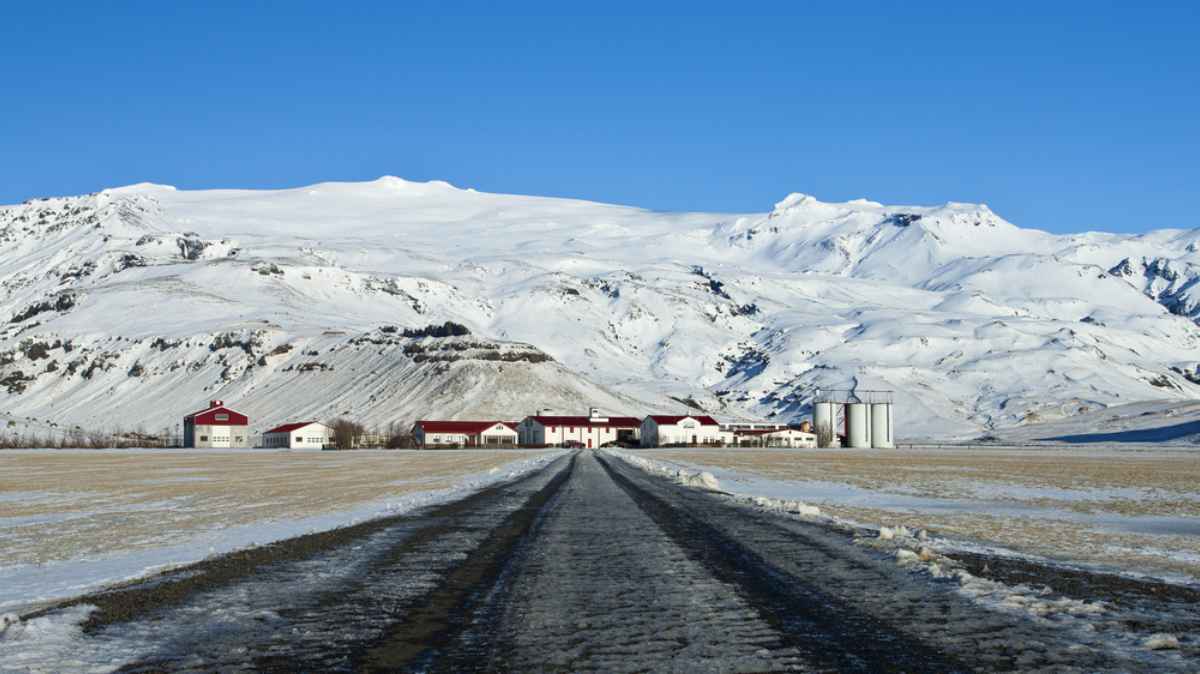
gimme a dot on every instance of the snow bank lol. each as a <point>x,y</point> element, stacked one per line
<point>688,478</point>
<point>26,585</point>
<point>701,479</point>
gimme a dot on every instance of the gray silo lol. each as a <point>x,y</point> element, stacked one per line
<point>823,420</point>
<point>858,425</point>
<point>882,426</point>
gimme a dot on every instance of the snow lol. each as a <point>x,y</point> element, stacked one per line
<point>979,324</point>
<point>1160,642</point>
<point>25,585</point>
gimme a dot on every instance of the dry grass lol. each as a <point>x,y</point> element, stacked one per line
<point>58,505</point>
<point>1102,483</point>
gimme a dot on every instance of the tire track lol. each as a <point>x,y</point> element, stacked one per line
<point>892,619</point>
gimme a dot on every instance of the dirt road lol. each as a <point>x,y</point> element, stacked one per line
<point>587,565</point>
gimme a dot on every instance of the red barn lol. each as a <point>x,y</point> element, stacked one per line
<point>216,427</point>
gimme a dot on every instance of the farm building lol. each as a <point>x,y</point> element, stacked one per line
<point>216,427</point>
<point>432,434</point>
<point>784,437</point>
<point>593,430</point>
<point>659,430</point>
<point>300,435</point>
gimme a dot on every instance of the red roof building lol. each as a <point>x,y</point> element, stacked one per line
<point>593,430</point>
<point>299,435</point>
<point>670,430</point>
<point>216,426</point>
<point>446,434</point>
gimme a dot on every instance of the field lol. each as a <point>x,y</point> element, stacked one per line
<point>71,519</point>
<point>1135,509</point>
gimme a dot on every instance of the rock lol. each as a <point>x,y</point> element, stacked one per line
<point>8,620</point>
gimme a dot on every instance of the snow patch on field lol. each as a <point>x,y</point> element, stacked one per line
<point>25,585</point>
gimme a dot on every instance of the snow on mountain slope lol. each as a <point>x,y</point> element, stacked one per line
<point>137,304</point>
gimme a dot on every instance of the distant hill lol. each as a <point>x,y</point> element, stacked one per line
<point>135,305</point>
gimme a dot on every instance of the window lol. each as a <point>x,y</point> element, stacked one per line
<point>203,438</point>
<point>222,417</point>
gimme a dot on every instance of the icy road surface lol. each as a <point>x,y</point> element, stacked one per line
<point>592,565</point>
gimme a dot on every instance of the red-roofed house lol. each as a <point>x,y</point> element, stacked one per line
<point>660,430</point>
<point>299,435</point>
<point>434,434</point>
<point>216,427</point>
<point>593,430</point>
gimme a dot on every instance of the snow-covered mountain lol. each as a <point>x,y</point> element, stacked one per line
<point>135,305</point>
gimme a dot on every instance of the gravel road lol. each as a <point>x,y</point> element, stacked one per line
<point>586,565</point>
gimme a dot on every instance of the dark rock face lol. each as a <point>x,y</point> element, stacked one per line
<point>62,303</point>
<point>190,246</point>
<point>447,329</point>
<point>903,219</point>
<point>1173,284</point>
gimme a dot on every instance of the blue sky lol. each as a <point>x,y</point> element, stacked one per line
<point>1080,116</point>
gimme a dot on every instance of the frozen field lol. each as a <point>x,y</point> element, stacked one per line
<point>70,520</point>
<point>1135,509</point>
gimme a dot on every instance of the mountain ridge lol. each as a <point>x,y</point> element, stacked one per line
<point>978,324</point>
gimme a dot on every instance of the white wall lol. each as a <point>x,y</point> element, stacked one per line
<point>222,437</point>
<point>791,438</point>
<point>687,431</point>
<point>312,436</point>
<point>556,434</point>
<point>432,439</point>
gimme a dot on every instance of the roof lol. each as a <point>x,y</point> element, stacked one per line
<point>609,422</point>
<point>288,428</point>
<point>670,420</point>
<point>468,427</point>
<point>208,417</point>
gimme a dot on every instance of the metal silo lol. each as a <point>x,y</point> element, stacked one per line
<point>823,420</point>
<point>881,426</point>
<point>858,425</point>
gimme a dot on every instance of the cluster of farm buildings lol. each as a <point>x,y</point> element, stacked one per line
<point>218,426</point>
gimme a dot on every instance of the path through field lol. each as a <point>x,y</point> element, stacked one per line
<point>586,565</point>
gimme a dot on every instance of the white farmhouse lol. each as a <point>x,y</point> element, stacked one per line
<point>661,430</point>
<point>784,437</point>
<point>594,430</point>
<point>300,435</point>
<point>449,434</point>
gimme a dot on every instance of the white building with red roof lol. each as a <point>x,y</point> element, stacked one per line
<point>661,430</point>
<point>216,427</point>
<point>593,430</point>
<point>299,435</point>
<point>431,434</point>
